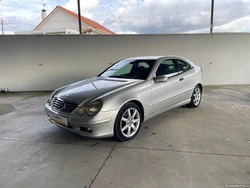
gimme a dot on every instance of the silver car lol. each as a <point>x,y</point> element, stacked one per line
<point>128,93</point>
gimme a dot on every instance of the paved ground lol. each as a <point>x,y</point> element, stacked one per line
<point>196,148</point>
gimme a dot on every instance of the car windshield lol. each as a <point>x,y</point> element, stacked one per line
<point>130,69</point>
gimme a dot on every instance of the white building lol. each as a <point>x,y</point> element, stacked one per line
<point>63,21</point>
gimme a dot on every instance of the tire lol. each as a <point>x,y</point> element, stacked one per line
<point>126,126</point>
<point>196,97</point>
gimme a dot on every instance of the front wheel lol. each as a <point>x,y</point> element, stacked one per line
<point>128,122</point>
<point>196,97</point>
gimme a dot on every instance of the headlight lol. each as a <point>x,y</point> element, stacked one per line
<point>94,108</point>
<point>91,109</point>
<point>82,110</point>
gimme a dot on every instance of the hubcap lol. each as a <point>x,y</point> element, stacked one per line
<point>197,96</point>
<point>130,122</point>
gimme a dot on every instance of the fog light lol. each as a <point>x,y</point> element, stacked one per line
<point>85,129</point>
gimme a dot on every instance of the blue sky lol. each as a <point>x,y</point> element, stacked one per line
<point>137,16</point>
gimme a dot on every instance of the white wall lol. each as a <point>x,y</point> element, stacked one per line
<point>30,63</point>
<point>59,19</point>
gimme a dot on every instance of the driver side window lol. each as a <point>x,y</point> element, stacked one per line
<point>167,68</point>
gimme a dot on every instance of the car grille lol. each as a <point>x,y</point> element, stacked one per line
<point>63,105</point>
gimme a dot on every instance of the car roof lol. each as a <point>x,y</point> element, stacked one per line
<point>146,57</point>
<point>155,57</point>
<point>159,57</point>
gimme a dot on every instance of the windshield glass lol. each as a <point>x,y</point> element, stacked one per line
<point>130,68</point>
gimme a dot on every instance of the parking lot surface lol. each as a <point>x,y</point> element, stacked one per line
<point>204,147</point>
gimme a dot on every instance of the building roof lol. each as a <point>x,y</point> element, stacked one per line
<point>87,21</point>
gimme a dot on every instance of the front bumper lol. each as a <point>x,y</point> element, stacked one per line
<point>100,125</point>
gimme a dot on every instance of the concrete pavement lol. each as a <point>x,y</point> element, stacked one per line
<point>204,147</point>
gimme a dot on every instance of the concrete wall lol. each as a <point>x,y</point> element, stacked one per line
<point>30,63</point>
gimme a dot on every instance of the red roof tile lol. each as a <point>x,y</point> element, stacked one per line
<point>89,22</point>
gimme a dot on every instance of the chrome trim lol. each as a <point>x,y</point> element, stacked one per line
<point>60,105</point>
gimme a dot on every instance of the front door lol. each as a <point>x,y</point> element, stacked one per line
<point>165,95</point>
<point>187,77</point>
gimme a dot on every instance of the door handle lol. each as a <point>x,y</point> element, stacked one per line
<point>181,79</point>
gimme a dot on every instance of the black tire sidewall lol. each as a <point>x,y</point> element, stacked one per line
<point>117,130</point>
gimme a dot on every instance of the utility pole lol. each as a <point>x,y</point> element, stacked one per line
<point>79,17</point>
<point>2,27</point>
<point>212,17</point>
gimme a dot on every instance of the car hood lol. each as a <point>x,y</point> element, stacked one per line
<point>87,90</point>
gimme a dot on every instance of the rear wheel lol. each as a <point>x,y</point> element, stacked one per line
<point>196,97</point>
<point>128,122</point>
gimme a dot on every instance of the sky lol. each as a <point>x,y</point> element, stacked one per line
<point>136,16</point>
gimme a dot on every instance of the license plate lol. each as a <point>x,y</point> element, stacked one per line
<point>58,119</point>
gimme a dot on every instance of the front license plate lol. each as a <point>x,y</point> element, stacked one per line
<point>58,119</point>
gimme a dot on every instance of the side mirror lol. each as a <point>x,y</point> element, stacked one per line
<point>160,79</point>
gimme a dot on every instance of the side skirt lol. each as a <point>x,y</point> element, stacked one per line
<point>167,109</point>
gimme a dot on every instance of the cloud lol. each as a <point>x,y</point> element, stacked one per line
<point>7,33</point>
<point>137,16</point>
<point>20,15</point>
<point>86,6</point>
<point>238,25</point>
<point>158,16</point>
<point>126,32</point>
<point>174,16</point>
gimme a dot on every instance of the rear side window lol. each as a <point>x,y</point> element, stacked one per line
<point>183,66</point>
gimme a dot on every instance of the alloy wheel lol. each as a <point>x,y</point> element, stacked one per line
<point>130,122</point>
<point>197,96</point>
